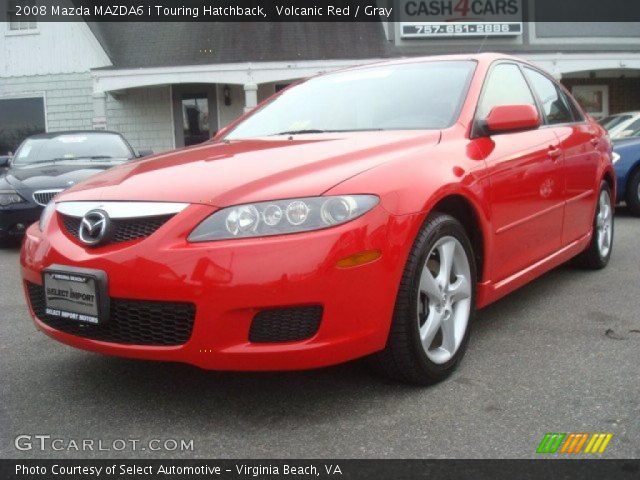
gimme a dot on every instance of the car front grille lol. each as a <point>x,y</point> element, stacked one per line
<point>133,322</point>
<point>124,229</point>
<point>288,324</point>
<point>42,197</point>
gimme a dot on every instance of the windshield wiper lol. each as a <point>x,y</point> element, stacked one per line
<point>293,132</point>
<point>90,157</point>
<point>51,160</point>
<point>83,157</point>
<point>62,159</point>
<point>299,132</point>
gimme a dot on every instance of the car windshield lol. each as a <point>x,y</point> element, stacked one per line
<point>413,96</point>
<point>613,120</point>
<point>629,131</point>
<point>76,146</point>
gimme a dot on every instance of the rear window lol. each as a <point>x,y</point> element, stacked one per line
<point>72,147</point>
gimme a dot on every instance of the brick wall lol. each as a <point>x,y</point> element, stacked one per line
<point>624,93</point>
<point>68,102</point>
<point>143,116</point>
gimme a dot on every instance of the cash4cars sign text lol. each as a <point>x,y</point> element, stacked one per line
<point>460,18</point>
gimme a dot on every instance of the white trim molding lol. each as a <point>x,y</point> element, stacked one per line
<point>224,73</point>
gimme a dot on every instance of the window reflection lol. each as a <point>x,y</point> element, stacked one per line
<point>19,118</point>
<point>195,119</point>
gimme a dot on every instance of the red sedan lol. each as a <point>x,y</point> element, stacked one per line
<point>369,211</point>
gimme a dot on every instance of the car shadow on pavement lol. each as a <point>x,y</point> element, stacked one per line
<point>173,389</point>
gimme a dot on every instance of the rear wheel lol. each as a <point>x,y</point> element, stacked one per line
<point>633,193</point>
<point>435,305</point>
<point>597,255</point>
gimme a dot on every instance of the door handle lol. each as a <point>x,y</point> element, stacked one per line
<point>554,152</point>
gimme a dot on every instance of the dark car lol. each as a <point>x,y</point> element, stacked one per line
<point>46,164</point>
<point>626,155</point>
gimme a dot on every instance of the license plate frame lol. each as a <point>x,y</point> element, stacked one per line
<point>87,304</point>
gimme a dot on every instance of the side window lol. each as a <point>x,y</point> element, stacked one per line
<point>554,106</point>
<point>578,116</point>
<point>505,86</point>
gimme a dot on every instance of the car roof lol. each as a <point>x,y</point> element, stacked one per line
<point>485,57</point>
<point>71,132</point>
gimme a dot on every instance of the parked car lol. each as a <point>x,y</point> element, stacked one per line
<point>362,212</point>
<point>46,164</point>
<point>622,125</point>
<point>626,154</point>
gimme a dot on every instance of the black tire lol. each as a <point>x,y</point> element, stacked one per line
<point>592,258</point>
<point>633,193</point>
<point>10,242</point>
<point>404,358</point>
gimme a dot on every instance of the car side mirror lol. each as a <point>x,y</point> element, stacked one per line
<point>509,118</point>
<point>145,153</point>
<point>5,161</point>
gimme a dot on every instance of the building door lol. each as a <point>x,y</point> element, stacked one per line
<point>194,114</point>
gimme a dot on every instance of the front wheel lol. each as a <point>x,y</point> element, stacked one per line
<point>9,242</point>
<point>597,255</point>
<point>434,307</point>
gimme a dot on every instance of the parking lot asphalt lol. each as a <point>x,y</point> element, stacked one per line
<point>560,355</point>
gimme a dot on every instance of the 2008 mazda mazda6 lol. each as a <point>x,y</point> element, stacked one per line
<point>365,212</point>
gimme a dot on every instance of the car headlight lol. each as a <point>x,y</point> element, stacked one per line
<point>282,216</point>
<point>46,215</point>
<point>9,197</point>
<point>615,157</point>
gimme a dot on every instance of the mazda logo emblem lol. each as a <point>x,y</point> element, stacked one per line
<point>94,227</point>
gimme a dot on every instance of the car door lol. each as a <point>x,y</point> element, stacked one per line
<point>526,179</point>
<point>578,140</point>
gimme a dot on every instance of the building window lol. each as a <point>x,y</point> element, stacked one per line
<point>594,99</point>
<point>19,118</point>
<point>22,22</point>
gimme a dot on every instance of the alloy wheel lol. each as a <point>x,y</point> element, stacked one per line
<point>604,224</point>
<point>444,299</point>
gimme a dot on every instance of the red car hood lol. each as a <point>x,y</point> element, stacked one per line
<point>241,171</point>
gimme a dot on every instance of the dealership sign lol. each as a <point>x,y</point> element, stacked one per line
<point>460,18</point>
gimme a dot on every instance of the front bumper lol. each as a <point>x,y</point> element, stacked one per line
<point>15,219</point>
<point>229,282</point>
